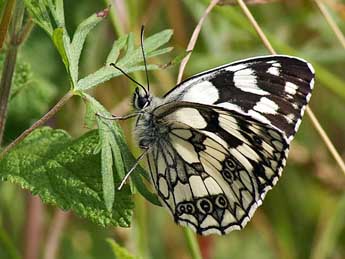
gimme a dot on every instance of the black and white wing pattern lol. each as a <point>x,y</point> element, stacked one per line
<point>214,173</point>
<point>271,89</point>
<point>228,135</point>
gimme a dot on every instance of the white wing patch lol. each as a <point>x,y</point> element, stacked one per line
<point>266,105</point>
<point>246,80</point>
<point>219,140</point>
<point>203,92</point>
<point>211,185</point>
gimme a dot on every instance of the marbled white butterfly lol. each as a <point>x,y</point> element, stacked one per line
<point>217,142</point>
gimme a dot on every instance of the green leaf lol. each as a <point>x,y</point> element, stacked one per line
<point>151,44</point>
<point>176,60</point>
<point>79,39</point>
<point>90,117</point>
<point>39,13</point>
<point>58,12</point>
<point>106,73</point>
<point>107,173</point>
<point>130,62</point>
<point>66,173</point>
<point>109,149</point>
<point>120,252</point>
<point>59,39</point>
<point>116,49</point>
<point>122,156</point>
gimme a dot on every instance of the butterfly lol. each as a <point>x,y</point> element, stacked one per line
<point>218,142</point>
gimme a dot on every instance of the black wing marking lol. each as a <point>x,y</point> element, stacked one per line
<point>271,89</point>
<point>213,178</point>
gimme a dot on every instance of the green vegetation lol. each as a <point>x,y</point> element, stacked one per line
<point>55,78</point>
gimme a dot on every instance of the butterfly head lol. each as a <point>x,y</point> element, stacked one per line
<point>141,99</point>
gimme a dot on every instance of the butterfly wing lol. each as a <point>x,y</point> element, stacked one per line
<point>212,176</point>
<point>271,89</point>
<point>228,139</point>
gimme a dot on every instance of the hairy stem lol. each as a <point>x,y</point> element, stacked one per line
<point>311,115</point>
<point>38,123</point>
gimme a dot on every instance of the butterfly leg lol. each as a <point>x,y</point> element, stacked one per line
<point>132,169</point>
<point>115,117</point>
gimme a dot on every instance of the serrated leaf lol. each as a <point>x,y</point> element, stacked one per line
<point>115,50</point>
<point>39,14</point>
<point>176,60</point>
<point>120,252</point>
<point>150,44</point>
<point>109,149</point>
<point>159,52</point>
<point>106,73</point>
<point>125,155</point>
<point>65,173</point>
<point>130,62</point>
<point>79,39</point>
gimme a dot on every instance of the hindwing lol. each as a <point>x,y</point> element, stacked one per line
<point>215,167</point>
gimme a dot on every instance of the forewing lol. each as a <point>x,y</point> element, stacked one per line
<point>270,89</point>
<point>215,167</point>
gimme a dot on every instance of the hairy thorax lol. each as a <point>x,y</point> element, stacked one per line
<point>149,130</point>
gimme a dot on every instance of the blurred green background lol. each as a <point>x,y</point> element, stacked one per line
<point>302,217</point>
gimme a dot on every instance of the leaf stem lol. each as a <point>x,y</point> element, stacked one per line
<point>310,113</point>
<point>38,123</point>
<point>192,243</point>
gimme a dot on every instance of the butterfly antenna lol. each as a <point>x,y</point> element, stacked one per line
<point>129,77</point>
<point>142,50</point>
<point>132,169</point>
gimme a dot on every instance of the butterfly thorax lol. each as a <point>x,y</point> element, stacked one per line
<point>149,130</point>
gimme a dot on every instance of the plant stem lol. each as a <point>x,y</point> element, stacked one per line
<point>192,243</point>
<point>38,123</point>
<point>5,85</point>
<point>331,22</point>
<point>311,115</point>
<point>55,232</point>
<point>194,38</point>
<point>33,227</point>
<point>119,20</point>
<point>6,19</point>
<point>9,65</point>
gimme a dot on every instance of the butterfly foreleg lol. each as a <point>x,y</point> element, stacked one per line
<point>115,117</point>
